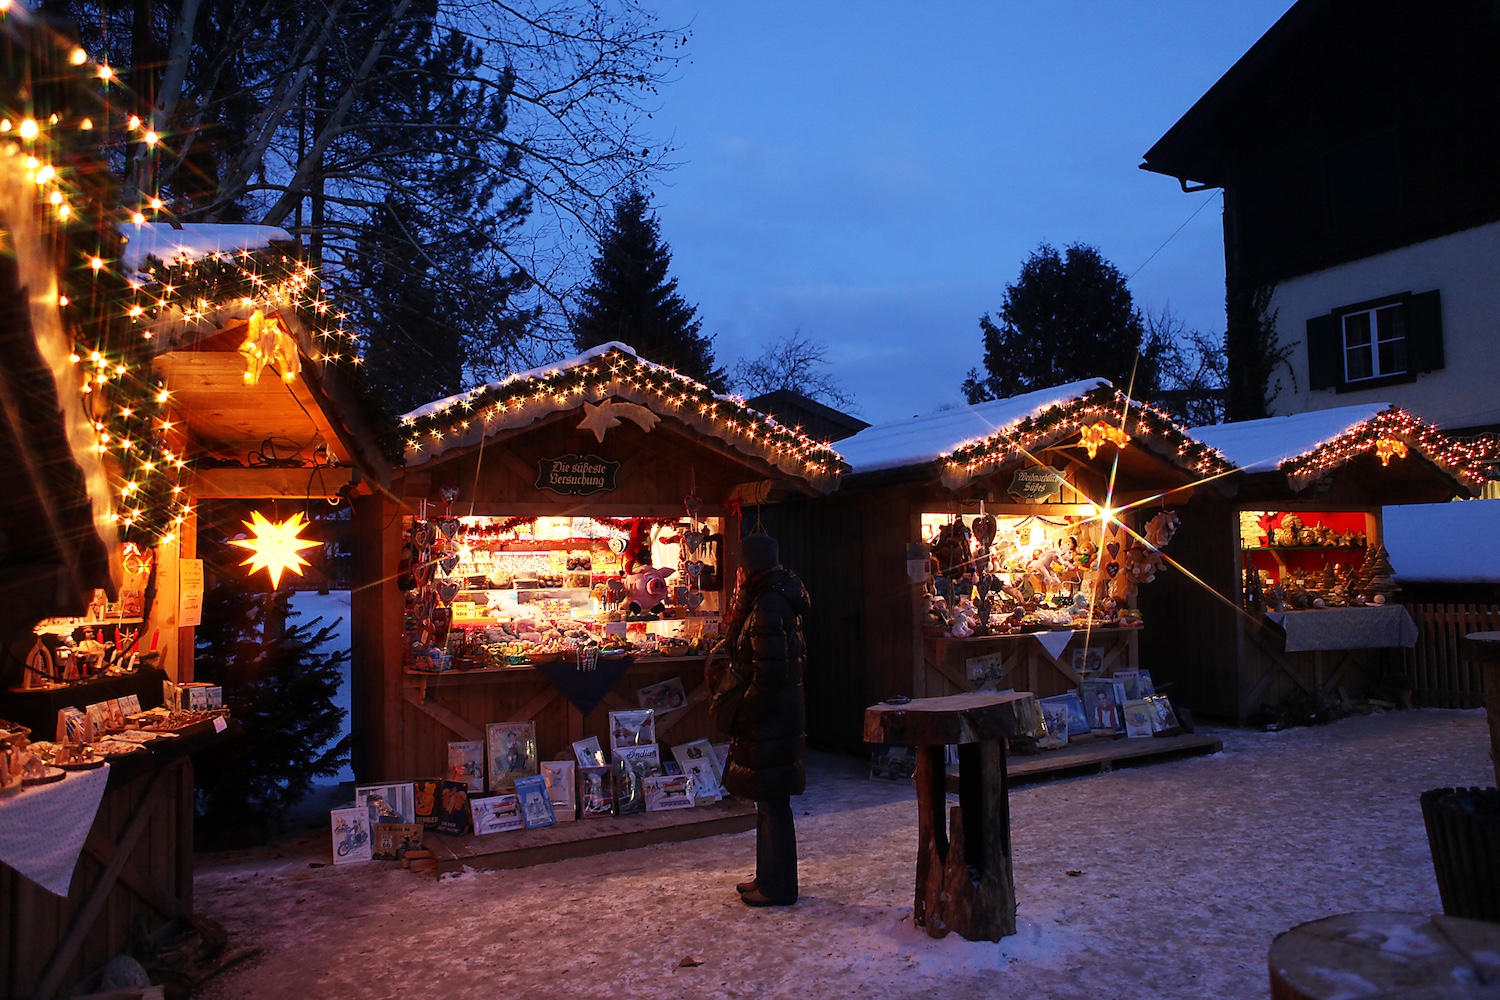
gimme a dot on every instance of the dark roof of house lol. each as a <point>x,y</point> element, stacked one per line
<point>1194,148</point>
<point>817,420</point>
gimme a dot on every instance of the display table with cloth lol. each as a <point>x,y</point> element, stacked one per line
<point>964,878</point>
<point>1384,626</point>
<point>133,820</point>
<point>43,827</point>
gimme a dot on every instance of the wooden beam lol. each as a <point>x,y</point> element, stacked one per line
<point>313,406</point>
<point>529,711</point>
<point>457,723</point>
<point>261,481</point>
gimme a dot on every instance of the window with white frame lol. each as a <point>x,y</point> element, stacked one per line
<point>1374,342</point>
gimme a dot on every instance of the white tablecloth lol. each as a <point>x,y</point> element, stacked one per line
<point>42,828</point>
<point>1346,628</point>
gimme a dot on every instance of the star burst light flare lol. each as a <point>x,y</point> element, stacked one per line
<point>275,546</point>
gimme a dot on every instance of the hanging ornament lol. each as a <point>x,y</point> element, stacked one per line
<point>266,343</point>
<point>693,504</point>
<point>1101,433</point>
<point>1388,448</point>
<point>600,417</point>
<point>275,546</point>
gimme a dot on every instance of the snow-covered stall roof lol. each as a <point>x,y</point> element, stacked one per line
<point>613,371</point>
<point>1445,542</point>
<point>1262,445</point>
<point>193,241</point>
<point>1099,416</point>
<point>932,436</point>
<point>1306,446</point>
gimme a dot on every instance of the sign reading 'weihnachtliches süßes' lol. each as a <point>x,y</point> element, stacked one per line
<point>1044,483</point>
<point>576,475</point>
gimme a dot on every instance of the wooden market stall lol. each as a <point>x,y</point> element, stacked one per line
<point>1287,599</point>
<point>1051,476</point>
<point>212,422</point>
<point>598,497</point>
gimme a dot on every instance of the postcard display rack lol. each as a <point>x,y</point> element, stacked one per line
<point>1040,599</point>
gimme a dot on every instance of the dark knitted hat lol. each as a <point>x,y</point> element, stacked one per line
<point>758,553</point>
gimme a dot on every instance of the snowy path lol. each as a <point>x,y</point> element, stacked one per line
<point>1188,870</point>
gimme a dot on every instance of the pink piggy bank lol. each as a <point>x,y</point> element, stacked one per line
<point>647,586</point>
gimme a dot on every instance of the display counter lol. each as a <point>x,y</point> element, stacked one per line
<point>1045,663</point>
<point>135,868</point>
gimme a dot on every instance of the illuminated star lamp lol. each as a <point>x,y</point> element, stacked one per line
<point>275,546</point>
<point>1389,447</point>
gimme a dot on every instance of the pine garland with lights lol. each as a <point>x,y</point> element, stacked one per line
<point>1468,461</point>
<point>614,373</point>
<point>1056,421</point>
<point>56,123</point>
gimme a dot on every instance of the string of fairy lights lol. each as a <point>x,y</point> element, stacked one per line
<point>61,113</point>
<point>1392,433</point>
<point>1100,416</point>
<point>519,400</point>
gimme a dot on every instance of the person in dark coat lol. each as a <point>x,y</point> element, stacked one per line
<point>758,701</point>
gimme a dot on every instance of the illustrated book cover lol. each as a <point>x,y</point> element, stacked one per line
<point>536,803</point>
<point>351,834</point>
<point>466,763</point>
<point>512,753</point>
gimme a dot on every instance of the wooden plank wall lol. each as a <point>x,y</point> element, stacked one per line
<point>33,921</point>
<point>1441,676</point>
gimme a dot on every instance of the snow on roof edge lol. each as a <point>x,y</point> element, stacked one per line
<point>968,423</point>
<point>193,241</point>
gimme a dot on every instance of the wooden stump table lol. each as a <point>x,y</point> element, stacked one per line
<point>1394,956</point>
<point>1485,647</point>
<point>964,877</point>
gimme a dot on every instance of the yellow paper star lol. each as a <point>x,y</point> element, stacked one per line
<point>1096,434</point>
<point>275,546</point>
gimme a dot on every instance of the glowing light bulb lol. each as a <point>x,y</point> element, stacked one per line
<point>86,124</point>
<point>134,123</point>
<point>29,129</point>
<point>96,263</point>
<point>78,57</point>
<point>151,138</point>
<point>156,204</point>
<point>105,73</point>
<point>137,218</point>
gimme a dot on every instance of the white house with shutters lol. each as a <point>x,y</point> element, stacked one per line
<point>1363,197</point>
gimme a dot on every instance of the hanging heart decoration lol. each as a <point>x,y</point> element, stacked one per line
<point>984,530</point>
<point>449,494</point>
<point>693,504</point>
<point>422,572</point>
<point>1113,548</point>
<point>449,563</point>
<point>447,592</point>
<point>448,525</point>
<point>421,534</point>
<point>1113,569</point>
<point>617,545</point>
<point>694,569</point>
<point>694,599</point>
<point>693,540</point>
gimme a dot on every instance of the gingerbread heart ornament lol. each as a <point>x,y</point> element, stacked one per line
<point>1113,548</point>
<point>1113,569</point>
<point>694,569</point>
<point>447,592</point>
<point>449,563</point>
<point>447,525</point>
<point>694,599</point>
<point>693,539</point>
<point>984,530</point>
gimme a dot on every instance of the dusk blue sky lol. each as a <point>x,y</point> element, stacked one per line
<point>875,172</point>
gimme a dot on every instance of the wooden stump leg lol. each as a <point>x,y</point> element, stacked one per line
<point>964,877</point>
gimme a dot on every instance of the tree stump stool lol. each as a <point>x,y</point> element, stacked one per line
<point>964,877</point>
<point>1387,955</point>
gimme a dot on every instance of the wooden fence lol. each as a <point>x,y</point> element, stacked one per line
<point>1442,677</point>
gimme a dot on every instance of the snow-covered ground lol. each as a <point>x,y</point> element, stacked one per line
<point>1160,881</point>
<point>331,607</point>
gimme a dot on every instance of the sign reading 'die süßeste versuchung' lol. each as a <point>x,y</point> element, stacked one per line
<point>576,475</point>
<point>1043,484</point>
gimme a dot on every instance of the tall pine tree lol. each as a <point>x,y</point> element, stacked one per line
<point>632,299</point>
<point>1068,316</point>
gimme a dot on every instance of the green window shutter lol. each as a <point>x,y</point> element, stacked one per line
<point>1325,352</point>
<point>1424,332</point>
